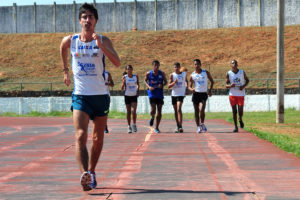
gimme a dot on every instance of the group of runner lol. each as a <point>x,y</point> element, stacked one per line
<point>90,98</point>
<point>197,84</point>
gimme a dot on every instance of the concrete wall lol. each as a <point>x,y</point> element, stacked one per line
<point>220,103</point>
<point>148,15</point>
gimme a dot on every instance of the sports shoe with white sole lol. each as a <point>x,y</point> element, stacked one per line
<point>199,130</point>
<point>129,129</point>
<point>93,180</point>
<point>134,127</point>
<point>204,128</point>
<point>85,181</point>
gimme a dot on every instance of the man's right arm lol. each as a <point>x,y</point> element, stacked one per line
<point>64,46</point>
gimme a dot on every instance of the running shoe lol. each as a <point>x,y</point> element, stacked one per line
<point>134,128</point>
<point>156,130</point>
<point>204,128</point>
<point>93,180</point>
<point>176,130</point>
<point>85,181</point>
<point>241,124</point>
<point>129,129</point>
<point>181,130</point>
<point>151,122</point>
<point>106,130</point>
<point>199,130</point>
<point>236,129</point>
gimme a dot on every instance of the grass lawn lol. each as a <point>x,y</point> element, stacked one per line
<point>263,124</point>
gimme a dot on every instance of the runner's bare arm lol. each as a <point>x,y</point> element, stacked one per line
<point>186,81</point>
<point>146,81</point>
<point>64,46</point>
<point>171,83</point>
<point>110,80</point>
<point>108,49</point>
<point>191,85</point>
<point>228,85</point>
<point>138,86</point>
<point>211,83</point>
<point>123,83</point>
<point>247,81</point>
<point>165,79</point>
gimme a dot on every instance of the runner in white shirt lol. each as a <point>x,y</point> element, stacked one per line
<point>178,82</point>
<point>200,79</point>
<point>236,81</point>
<point>130,83</point>
<point>108,83</point>
<point>90,99</point>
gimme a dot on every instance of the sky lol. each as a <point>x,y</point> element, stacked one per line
<point>50,2</point>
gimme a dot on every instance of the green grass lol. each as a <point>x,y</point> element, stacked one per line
<point>285,136</point>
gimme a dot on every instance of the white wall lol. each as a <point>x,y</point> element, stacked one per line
<point>220,103</point>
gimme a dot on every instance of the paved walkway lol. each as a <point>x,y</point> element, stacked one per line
<point>37,162</point>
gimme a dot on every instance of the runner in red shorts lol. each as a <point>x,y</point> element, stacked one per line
<point>236,81</point>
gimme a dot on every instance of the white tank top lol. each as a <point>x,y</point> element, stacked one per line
<point>88,63</point>
<point>179,88</point>
<point>130,85</point>
<point>200,81</point>
<point>238,79</point>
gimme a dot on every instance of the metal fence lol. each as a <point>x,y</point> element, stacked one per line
<point>58,88</point>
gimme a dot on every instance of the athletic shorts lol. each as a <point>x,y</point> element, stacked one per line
<point>93,105</point>
<point>199,97</point>
<point>130,99</point>
<point>236,100</point>
<point>177,98</point>
<point>156,101</point>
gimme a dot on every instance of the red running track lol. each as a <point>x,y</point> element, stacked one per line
<point>38,162</point>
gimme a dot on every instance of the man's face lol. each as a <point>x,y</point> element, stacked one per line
<point>177,69</point>
<point>197,65</point>
<point>155,66</point>
<point>233,64</point>
<point>88,21</point>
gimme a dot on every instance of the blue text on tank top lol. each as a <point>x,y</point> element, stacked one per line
<point>154,81</point>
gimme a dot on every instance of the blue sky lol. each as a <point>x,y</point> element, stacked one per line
<point>49,2</point>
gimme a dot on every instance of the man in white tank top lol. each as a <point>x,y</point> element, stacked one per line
<point>90,98</point>
<point>200,78</point>
<point>130,83</point>
<point>108,83</point>
<point>236,81</point>
<point>178,82</point>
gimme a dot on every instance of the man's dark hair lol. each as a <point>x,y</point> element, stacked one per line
<point>177,64</point>
<point>155,62</point>
<point>88,7</point>
<point>197,60</point>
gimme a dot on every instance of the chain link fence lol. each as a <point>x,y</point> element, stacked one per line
<point>259,84</point>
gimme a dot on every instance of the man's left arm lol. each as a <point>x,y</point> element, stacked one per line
<point>107,47</point>
<point>246,83</point>
<point>211,83</point>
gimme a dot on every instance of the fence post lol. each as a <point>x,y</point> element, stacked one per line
<point>268,86</point>
<point>34,17</point>
<point>176,14</point>
<point>54,17</point>
<point>21,87</point>
<point>299,86</point>
<point>155,15</point>
<point>239,12</point>
<point>74,16</point>
<point>51,88</point>
<point>115,16</point>
<point>14,13</point>
<point>217,13</point>
<point>134,15</point>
